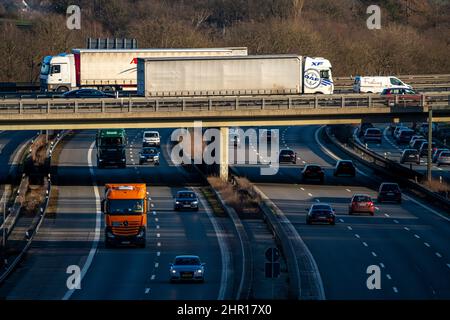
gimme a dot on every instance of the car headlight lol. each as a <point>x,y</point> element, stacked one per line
<point>174,271</point>
<point>177,202</point>
<point>124,159</point>
<point>199,271</point>
<point>142,157</point>
<point>156,157</point>
<point>195,203</point>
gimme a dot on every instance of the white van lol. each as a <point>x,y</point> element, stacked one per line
<point>377,84</point>
<point>151,138</point>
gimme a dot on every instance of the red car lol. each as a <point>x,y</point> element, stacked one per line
<point>401,97</point>
<point>361,203</point>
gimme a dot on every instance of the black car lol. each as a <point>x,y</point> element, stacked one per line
<point>288,156</point>
<point>345,168</point>
<point>423,151</point>
<point>186,200</point>
<point>362,129</point>
<point>410,155</point>
<point>373,134</point>
<point>321,213</point>
<point>389,192</point>
<point>149,155</point>
<point>313,172</point>
<point>87,93</point>
<point>404,136</point>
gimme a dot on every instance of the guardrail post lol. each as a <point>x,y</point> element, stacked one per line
<point>423,101</point>
<point>20,106</point>
<point>156,105</point>
<point>342,102</point>
<point>130,105</point>
<point>210,104</point>
<point>369,101</point>
<point>48,106</point>
<point>316,102</point>
<point>263,103</point>
<point>103,106</point>
<point>289,103</point>
<point>183,104</point>
<point>75,109</point>
<point>237,103</point>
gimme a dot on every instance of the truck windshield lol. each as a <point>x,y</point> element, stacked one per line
<point>108,142</point>
<point>126,206</point>
<point>45,68</point>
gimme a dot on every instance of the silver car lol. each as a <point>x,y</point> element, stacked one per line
<point>444,158</point>
<point>187,268</point>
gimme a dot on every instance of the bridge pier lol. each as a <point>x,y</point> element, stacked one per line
<point>224,153</point>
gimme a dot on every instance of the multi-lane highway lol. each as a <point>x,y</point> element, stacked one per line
<point>390,149</point>
<point>409,242</point>
<point>11,145</point>
<point>73,234</point>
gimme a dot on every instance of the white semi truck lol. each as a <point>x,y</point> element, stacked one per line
<point>234,75</point>
<point>109,70</point>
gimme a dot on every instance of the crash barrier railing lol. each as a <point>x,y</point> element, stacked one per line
<point>33,230</point>
<point>208,104</point>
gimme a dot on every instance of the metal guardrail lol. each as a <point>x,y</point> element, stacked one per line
<point>35,228</point>
<point>390,168</point>
<point>204,104</point>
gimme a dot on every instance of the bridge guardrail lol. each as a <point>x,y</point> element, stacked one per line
<point>174,104</point>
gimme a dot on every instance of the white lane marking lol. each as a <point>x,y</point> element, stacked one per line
<point>341,220</point>
<point>153,277</point>
<point>158,235</point>
<point>357,235</point>
<point>365,244</point>
<point>389,276</point>
<point>348,190</point>
<point>156,265</point>
<point>152,205</point>
<point>98,218</point>
<point>157,227</point>
<point>395,221</point>
<point>382,265</point>
<point>417,236</point>
<point>388,216</point>
<point>374,254</point>
<point>310,194</point>
<point>438,255</point>
<point>158,244</point>
<point>317,200</point>
<point>448,265</point>
<point>154,213</point>
<point>395,289</point>
<point>377,208</point>
<point>349,228</point>
<point>224,250</point>
<point>147,290</point>
<point>304,162</point>
<point>158,253</point>
<point>406,228</point>
<point>303,189</point>
<point>427,244</point>
<point>156,219</point>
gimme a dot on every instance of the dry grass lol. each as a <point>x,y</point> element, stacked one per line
<point>39,151</point>
<point>34,198</point>
<point>241,197</point>
<point>436,186</point>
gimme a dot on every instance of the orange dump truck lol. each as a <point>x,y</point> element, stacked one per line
<point>125,208</point>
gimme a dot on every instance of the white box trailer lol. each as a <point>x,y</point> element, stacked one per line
<point>110,69</point>
<point>239,75</point>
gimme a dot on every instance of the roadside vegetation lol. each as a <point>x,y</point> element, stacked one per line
<point>414,38</point>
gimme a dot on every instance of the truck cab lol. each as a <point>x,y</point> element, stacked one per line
<point>125,207</point>
<point>317,76</point>
<point>111,148</point>
<point>58,73</point>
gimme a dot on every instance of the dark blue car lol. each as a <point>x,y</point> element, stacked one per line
<point>186,200</point>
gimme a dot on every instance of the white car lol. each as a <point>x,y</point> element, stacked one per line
<point>151,139</point>
<point>377,84</point>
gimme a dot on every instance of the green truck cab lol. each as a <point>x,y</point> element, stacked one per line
<point>111,148</point>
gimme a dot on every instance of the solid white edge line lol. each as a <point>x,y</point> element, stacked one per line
<point>98,217</point>
<point>223,246</point>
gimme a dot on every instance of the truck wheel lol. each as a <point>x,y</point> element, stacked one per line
<point>62,89</point>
